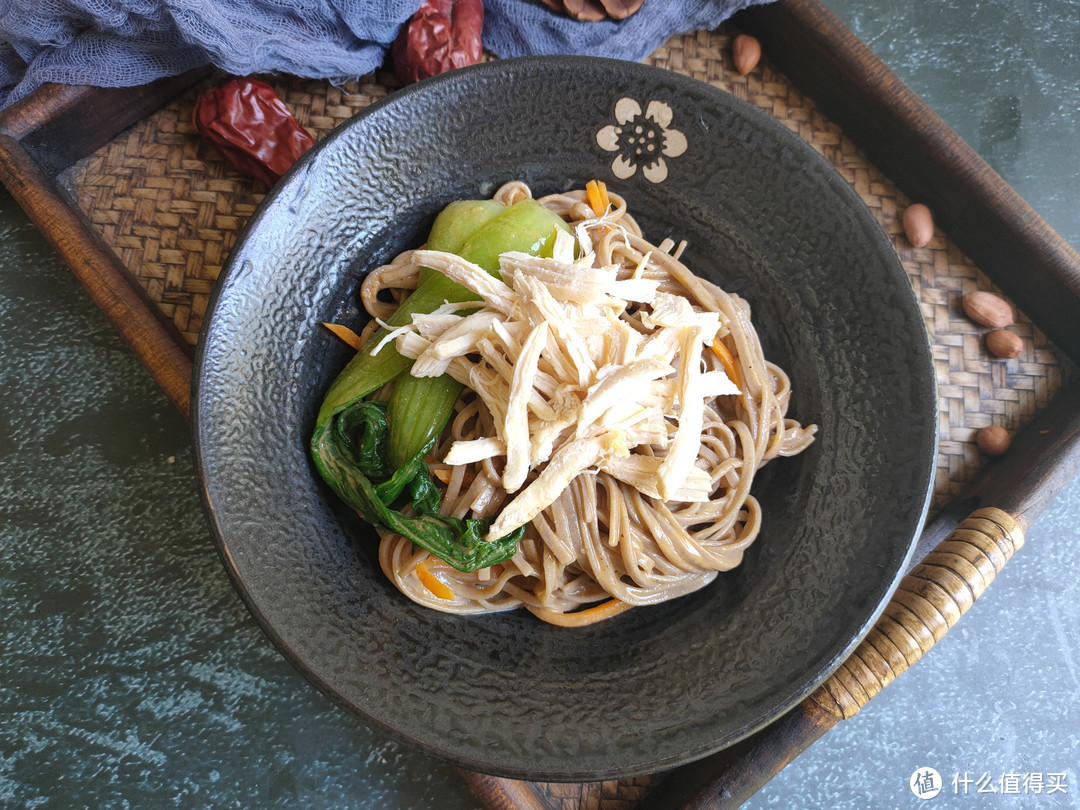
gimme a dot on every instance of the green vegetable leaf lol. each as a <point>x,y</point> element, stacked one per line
<point>371,454</point>
<point>350,453</point>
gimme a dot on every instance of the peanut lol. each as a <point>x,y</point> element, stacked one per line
<point>746,52</point>
<point>988,309</point>
<point>1003,343</point>
<point>918,224</point>
<point>993,440</point>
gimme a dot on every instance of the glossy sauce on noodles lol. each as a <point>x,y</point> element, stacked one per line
<point>617,512</point>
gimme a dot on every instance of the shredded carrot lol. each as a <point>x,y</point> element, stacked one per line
<point>596,194</point>
<point>444,473</point>
<point>732,370</point>
<point>433,583</point>
<point>346,334</point>
<point>580,618</point>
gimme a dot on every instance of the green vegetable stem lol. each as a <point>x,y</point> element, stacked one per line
<point>352,448</point>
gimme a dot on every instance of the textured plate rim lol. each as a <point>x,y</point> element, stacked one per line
<point>449,753</point>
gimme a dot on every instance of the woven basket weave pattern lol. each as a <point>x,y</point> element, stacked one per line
<point>171,209</point>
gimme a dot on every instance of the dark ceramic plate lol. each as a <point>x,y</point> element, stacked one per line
<point>766,217</point>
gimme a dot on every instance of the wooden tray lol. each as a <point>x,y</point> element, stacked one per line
<point>145,213</point>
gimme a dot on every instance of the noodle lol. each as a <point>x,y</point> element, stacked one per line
<point>601,545</point>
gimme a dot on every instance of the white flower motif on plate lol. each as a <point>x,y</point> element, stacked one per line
<point>644,141</point>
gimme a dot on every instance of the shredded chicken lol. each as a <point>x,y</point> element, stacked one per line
<point>582,372</point>
<point>618,409</point>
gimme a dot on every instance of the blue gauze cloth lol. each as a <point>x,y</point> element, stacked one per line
<point>121,43</point>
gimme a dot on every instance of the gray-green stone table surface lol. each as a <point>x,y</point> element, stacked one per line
<point>132,676</point>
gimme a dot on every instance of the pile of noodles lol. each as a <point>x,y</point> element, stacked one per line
<point>603,546</point>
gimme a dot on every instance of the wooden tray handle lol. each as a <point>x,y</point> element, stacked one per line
<point>499,793</point>
<point>955,564</point>
<point>957,557</point>
<point>927,602</point>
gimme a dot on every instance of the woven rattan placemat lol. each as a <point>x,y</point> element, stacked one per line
<point>170,208</point>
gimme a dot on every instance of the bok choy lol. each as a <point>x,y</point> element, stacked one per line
<point>373,454</point>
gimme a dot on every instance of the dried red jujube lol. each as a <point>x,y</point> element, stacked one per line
<point>440,36</point>
<point>252,128</point>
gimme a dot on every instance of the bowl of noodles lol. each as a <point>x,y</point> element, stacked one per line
<point>568,418</point>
